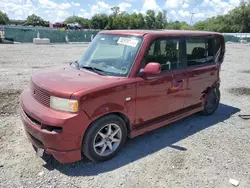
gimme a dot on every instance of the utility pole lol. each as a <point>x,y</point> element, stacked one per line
<point>191,20</point>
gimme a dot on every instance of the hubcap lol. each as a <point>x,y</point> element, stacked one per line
<point>107,139</point>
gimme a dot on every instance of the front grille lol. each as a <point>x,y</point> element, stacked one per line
<point>40,95</point>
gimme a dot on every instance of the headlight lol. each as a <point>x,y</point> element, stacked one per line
<point>63,104</point>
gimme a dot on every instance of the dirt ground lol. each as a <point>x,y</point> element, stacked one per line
<point>195,152</point>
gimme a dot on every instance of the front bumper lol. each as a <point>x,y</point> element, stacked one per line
<point>65,146</point>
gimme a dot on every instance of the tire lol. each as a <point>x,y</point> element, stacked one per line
<point>96,138</point>
<point>212,101</point>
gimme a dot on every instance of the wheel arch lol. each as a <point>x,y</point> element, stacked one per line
<point>119,114</point>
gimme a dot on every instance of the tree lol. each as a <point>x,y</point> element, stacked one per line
<point>34,20</point>
<point>136,21</point>
<point>237,20</point>
<point>99,21</point>
<point>150,19</point>
<point>141,21</point>
<point>116,11</point>
<point>4,19</point>
<point>84,22</point>
<point>121,21</point>
<point>160,23</point>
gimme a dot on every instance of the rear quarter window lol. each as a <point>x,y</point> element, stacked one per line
<point>218,49</point>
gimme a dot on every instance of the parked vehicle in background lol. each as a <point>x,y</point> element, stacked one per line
<point>74,26</point>
<point>126,84</point>
<point>59,24</point>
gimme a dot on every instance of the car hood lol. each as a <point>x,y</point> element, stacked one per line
<point>63,81</point>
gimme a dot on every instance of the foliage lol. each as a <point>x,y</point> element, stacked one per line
<point>99,21</point>
<point>4,19</point>
<point>237,20</point>
<point>123,20</point>
<point>179,25</point>
<point>35,21</point>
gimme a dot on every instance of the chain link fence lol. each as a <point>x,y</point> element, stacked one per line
<point>25,34</point>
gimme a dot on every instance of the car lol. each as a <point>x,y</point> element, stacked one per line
<point>74,26</point>
<point>127,83</point>
<point>58,25</point>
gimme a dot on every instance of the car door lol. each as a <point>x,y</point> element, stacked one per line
<point>201,70</point>
<point>158,95</point>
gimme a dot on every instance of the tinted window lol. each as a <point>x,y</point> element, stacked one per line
<point>167,52</point>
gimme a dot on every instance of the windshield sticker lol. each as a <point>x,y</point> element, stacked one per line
<point>102,38</point>
<point>128,41</point>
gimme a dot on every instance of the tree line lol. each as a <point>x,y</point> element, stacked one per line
<point>237,20</point>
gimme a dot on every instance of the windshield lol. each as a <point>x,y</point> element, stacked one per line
<point>112,54</point>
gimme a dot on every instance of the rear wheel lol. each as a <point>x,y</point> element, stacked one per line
<point>104,138</point>
<point>212,101</point>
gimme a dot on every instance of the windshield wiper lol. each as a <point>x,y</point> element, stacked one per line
<point>75,64</point>
<point>96,70</point>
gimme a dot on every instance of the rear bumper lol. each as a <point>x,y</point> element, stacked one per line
<point>65,146</point>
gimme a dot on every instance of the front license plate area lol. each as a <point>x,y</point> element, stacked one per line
<point>40,152</point>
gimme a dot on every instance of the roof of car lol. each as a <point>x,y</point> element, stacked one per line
<point>159,32</point>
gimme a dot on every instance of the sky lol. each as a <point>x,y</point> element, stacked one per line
<point>58,10</point>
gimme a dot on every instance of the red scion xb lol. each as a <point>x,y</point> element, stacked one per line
<point>127,83</point>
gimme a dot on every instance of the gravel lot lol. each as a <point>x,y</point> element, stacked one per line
<point>195,152</point>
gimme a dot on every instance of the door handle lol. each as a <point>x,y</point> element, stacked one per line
<point>179,81</point>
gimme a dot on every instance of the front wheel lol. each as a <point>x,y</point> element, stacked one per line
<point>212,101</point>
<point>104,139</point>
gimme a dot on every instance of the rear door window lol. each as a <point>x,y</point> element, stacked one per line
<point>167,52</point>
<point>199,51</point>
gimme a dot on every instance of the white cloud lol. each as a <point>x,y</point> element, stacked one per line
<point>123,6</point>
<point>84,13</point>
<point>102,4</point>
<point>100,7</point>
<point>75,4</point>
<point>185,5</point>
<point>18,9</point>
<point>177,3</point>
<point>183,13</point>
<point>150,5</point>
<point>218,7</point>
<point>61,15</point>
<point>136,11</point>
<point>64,6</point>
<point>172,3</point>
<point>47,4</point>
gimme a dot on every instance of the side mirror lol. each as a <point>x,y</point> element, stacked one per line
<point>151,68</point>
